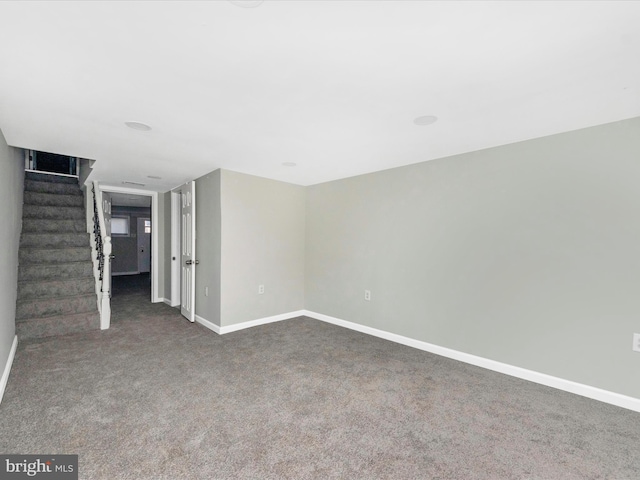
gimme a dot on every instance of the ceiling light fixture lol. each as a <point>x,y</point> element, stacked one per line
<point>143,127</point>
<point>425,120</point>
<point>246,3</point>
<point>134,183</point>
<point>289,164</point>
<point>155,177</point>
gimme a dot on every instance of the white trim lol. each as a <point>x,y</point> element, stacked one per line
<point>251,323</point>
<point>7,367</point>
<point>155,261</point>
<point>52,173</point>
<point>155,241</point>
<point>118,274</point>
<point>588,391</point>
<point>206,323</point>
<point>175,249</point>
<point>261,321</point>
<point>167,301</point>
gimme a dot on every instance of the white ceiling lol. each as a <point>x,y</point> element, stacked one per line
<point>331,86</point>
<point>126,200</point>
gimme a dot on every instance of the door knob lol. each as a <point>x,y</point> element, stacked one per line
<point>192,262</point>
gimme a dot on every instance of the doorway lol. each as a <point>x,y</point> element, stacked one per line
<point>134,270</point>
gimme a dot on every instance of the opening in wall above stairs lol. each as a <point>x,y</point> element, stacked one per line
<point>56,290</point>
<point>35,161</point>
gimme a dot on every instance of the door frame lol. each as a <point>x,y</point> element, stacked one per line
<point>176,227</point>
<point>155,261</point>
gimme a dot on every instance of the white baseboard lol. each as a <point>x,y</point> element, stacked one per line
<point>7,368</point>
<point>206,323</point>
<point>261,321</point>
<point>588,391</point>
<point>250,323</point>
<point>168,302</point>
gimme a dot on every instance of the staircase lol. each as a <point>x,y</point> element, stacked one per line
<point>56,288</point>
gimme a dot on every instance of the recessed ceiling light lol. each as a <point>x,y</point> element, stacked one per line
<point>289,164</point>
<point>138,126</point>
<point>155,177</point>
<point>425,120</point>
<point>246,3</point>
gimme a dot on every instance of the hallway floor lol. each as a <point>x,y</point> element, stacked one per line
<point>156,397</point>
<point>131,285</point>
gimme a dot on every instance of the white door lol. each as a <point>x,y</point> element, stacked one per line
<point>188,253</point>
<point>144,245</point>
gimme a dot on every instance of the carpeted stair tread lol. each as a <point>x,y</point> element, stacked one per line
<point>53,199</point>
<point>56,288</point>
<point>54,240</point>
<point>51,306</point>
<point>44,271</point>
<point>30,328</point>
<point>50,178</point>
<point>50,212</point>
<point>47,288</point>
<point>28,255</point>
<point>36,225</point>
<point>50,187</point>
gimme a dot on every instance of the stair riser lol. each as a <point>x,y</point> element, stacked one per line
<point>56,288</point>
<point>55,306</point>
<point>54,240</point>
<point>49,187</point>
<point>53,199</point>
<point>32,225</point>
<point>47,212</point>
<point>45,177</point>
<point>53,271</point>
<point>52,326</point>
<point>36,255</point>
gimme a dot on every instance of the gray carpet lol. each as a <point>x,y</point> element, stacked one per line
<point>156,397</point>
<point>56,289</point>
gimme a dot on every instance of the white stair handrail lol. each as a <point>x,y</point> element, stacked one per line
<point>101,254</point>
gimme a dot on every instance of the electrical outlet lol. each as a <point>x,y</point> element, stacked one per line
<point>367,295</point>
<point>636,342</point>
<point>260,289</point>
<point>206,291</point>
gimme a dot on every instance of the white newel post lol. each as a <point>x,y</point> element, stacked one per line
<point>105,311</point>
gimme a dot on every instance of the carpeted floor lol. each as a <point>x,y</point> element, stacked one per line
<point>155,397</point>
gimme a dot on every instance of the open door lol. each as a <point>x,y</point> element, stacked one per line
<point>188,253</point>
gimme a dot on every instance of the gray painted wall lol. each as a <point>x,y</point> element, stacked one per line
<point>528,254</point>
<point>11,198</point>
<point>208,248</point>
<point>262,242</point>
